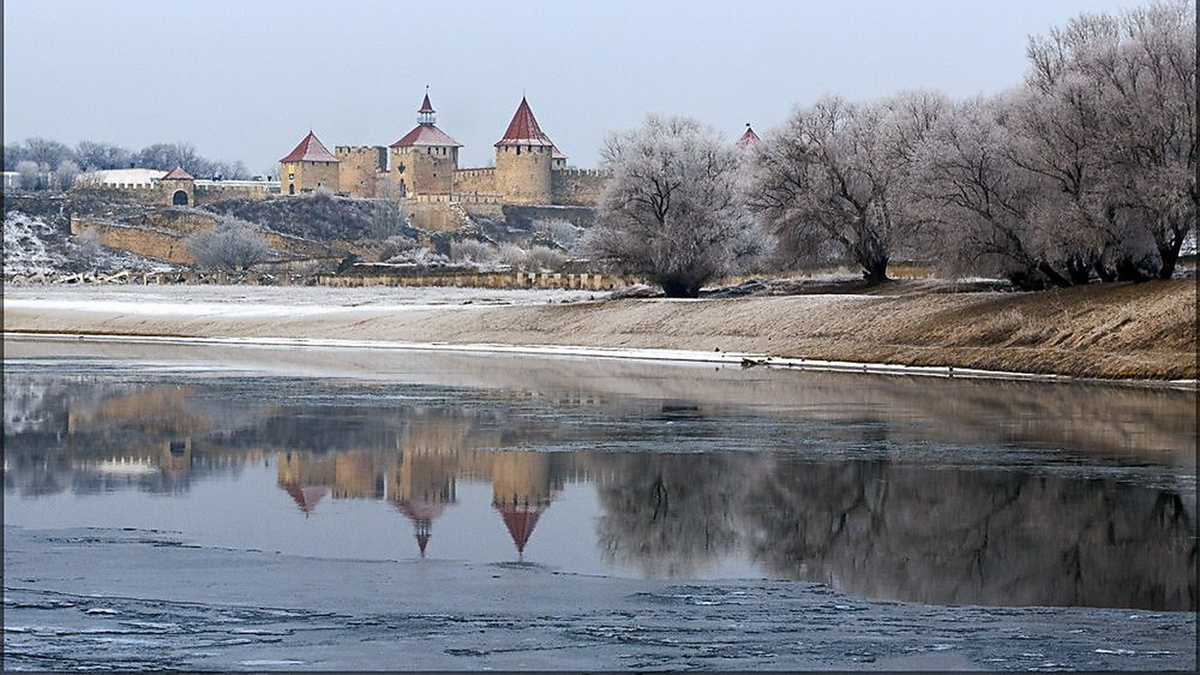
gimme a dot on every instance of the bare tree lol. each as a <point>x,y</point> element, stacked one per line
<point>672,210</point>
<point>982,205</point>
<point>231,245</point>
<point>94,156</point>
<point>1109,118</point>
<point>836,177</point>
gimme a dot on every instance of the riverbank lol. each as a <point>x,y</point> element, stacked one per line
<point>1110,331</point>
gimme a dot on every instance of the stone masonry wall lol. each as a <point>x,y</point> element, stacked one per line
<point>475,181</point>
<point>358,169</point>
<point>577,187</point>
<point>523,174</point>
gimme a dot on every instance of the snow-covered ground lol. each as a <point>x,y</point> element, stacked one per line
<point>265,300</point>
<point>32,245</point>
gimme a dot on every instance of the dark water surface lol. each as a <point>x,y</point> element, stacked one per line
<point>933,491</point>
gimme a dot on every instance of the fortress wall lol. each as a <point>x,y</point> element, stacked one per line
<point>433,214</point>
<point>475,181</point>
<point>140,193</point>
<point>577,187</point>
<point>163,235</point>
<point>216,192</point>
<point>523,215</point>
<point>358,169</point>
<point>169,247</point>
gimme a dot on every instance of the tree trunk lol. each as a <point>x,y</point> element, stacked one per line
<point>679,288</point>
<point>1169,253</point>
<point>875,271</point>
<point>1053,275</point>
<point>1079,271</point>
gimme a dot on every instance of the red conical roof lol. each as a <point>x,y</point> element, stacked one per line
<point>524,129</point>
<point>520,520</point>
<point>178,174</point>
<point>310,150</point>
<point>748,138</point>
<point>306,497</point>
<point>421,513</point>
<point>426,106</point>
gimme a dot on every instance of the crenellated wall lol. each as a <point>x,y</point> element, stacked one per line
<point>577,187</point>
<point>475,181</point>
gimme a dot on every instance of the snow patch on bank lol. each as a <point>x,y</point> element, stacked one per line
<point>681,356</point>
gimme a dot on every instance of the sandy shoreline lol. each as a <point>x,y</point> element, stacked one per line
<point>1122,332</point>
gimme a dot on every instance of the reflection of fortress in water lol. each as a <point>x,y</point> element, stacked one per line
<point>420,477</point>
<point>861,520</point>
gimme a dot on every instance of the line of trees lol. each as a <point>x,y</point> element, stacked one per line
<point>45,163</point>
<point>1085,171</point>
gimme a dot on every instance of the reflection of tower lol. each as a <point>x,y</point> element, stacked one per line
<point>521,491</point>
<point>423,482</point>
<point>175,460</point>
<point>305,479</point>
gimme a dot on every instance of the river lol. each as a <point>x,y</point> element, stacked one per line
<point>146,482</point>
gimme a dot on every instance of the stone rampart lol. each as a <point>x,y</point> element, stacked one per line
<point>577,187</point>
<point>163,235</point>
<point>523,215</point>
<point>475,181</point>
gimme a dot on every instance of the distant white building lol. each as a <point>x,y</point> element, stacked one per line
<point>122,178</point>
<point>12,180</point>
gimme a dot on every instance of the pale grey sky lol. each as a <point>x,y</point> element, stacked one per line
<point>246,79</point>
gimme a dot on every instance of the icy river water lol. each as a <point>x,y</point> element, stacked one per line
<point>234,508</point>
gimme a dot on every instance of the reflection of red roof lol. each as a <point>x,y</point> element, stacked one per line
<point>421,513</point>
<point>426,134</point>
<point>306,497</point>
<point>310,150</point>
<point>520,519</point>
<point>178,174</point>
<point>524,129</point>
<point>748,138</point>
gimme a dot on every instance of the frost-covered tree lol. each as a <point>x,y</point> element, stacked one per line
<point>672,211</point>
<point>837,178</point>
<point>1108,117</point>
<point>231,245</point>
<point>33,175</point>
<point>982,205</point>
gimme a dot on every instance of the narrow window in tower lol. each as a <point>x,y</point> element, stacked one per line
<point>518,149</point>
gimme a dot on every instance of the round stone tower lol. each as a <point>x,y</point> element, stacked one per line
<point>524,159</point>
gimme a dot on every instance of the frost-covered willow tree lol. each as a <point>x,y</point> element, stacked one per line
<point>1108,117</point>
<point>837,177</point>
<point>672,210</point>
<point>983,207</point>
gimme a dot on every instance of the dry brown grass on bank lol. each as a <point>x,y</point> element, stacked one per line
<point>1113,331</point>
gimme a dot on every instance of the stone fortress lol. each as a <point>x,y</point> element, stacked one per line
<point>422,169</point>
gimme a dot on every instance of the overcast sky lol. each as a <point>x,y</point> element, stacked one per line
<point>246,79</point>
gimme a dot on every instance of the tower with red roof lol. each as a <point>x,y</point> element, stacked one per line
<point>424,160</point>
<point>307,167</point>
<point>525,157</point>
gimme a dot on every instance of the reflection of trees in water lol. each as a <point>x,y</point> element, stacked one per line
<point>973,537</point>
<point>668,515</point>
